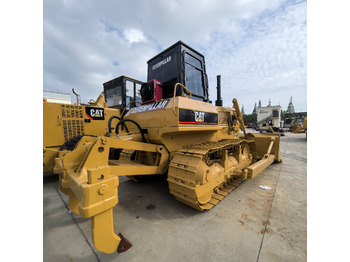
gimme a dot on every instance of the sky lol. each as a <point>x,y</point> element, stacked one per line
<point>257,46</point>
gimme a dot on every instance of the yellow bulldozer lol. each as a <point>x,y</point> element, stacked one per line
<point>65,124</point>
<point>202,149</point>
<point>299,128</point>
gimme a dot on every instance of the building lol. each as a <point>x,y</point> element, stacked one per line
<point>56,97</point>
<point>269,116</point>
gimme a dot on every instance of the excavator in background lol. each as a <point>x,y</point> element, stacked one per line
<point>202,149</point>
<point>65,124</point>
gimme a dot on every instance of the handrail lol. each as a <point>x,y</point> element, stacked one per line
<point>265,119</point>
<point>128,104</point>
<point>183,87</point>
<point>179,84</point>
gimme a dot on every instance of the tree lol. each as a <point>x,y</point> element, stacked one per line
<point>249,118</point>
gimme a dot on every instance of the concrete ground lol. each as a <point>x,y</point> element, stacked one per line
<point>250,224</point>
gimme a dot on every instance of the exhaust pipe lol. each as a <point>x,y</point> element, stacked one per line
<point>77,95</point>
<point>218,101</point>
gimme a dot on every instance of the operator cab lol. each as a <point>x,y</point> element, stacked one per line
<point>177,64</point>
<point>122,92</point>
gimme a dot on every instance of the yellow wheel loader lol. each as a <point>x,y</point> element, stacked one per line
<point>177,132</point>
<point>64,124</point>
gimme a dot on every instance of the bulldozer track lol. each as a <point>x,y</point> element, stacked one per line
<point>184,168</point>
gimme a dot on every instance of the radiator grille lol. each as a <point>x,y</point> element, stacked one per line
<point>73,122</point>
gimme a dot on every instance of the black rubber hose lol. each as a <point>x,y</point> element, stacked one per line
<point>110,123</point>
<point>132,121</point>
<point>71,143</point>
<point>230,123</point>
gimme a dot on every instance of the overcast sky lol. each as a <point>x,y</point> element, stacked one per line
<point>257,46</point>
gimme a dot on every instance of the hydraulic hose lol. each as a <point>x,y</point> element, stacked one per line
<point>132,121</point>
<point>110,123</point>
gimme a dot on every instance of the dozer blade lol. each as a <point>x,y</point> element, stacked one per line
<point>269,146</point>
<point>262,143</point>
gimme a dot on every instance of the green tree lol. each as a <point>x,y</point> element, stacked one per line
<point>251,118</point>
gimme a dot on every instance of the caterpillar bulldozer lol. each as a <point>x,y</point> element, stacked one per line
<point>65,124</point>
<point>202,149</point>
<point>299,128</point>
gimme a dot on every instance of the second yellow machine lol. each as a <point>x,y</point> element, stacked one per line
<point>203,149</point>
<point>65,124</point>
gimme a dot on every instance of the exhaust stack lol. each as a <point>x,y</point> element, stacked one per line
<point>218,101</point>
<point>77,95</point>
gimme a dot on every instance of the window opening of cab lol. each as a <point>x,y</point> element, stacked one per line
<point>114,96</point>
<point>138,94</point>
<point>194,76</point>
<point>129,93</point>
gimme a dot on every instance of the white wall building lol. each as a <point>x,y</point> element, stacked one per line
<point>269,116</point>
<point>56,97</point>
